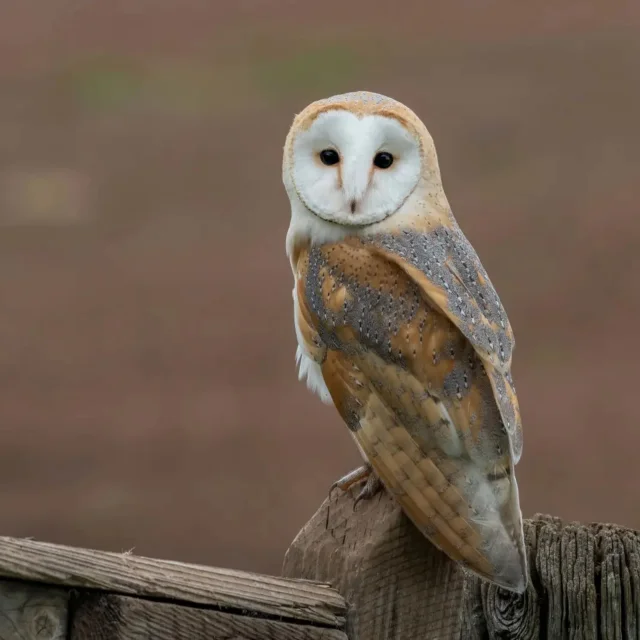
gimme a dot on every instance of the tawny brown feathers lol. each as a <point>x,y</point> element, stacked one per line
<point>417,396</point>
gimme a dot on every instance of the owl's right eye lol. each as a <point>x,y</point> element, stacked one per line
<point>329,157</point>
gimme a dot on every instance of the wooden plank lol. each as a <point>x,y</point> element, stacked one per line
<point>398,585</point>
<point>108,617</point>
<point>128,574</point>
<point>32,612</point>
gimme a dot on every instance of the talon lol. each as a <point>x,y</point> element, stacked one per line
<point>353,477</point>
<point>372,487</point>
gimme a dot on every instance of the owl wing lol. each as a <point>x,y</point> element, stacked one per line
<point>448,271</point>
<point>418,399</point>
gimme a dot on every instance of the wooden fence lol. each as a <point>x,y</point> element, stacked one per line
<point>389,583</point>
<point>51,592</point>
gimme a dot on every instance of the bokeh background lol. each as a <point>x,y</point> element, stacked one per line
<point>148,397</point>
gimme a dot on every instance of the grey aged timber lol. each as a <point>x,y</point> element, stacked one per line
<point>52,592</point>
<point>585,579</point>
<point>390,583</point>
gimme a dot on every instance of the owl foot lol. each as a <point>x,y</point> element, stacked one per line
<point>372,487</point>
<point>353,477</point>
<point>346,482</point>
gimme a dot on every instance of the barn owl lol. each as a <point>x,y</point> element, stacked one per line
<point>399,327</point>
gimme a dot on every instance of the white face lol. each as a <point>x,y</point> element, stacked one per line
<point>355,171</point>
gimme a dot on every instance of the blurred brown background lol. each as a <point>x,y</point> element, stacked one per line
<point>148,397</point>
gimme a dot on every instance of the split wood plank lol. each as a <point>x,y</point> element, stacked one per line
<point>109,617</point>
<point>128,574</point>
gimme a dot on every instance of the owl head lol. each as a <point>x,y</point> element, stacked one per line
<point>355,159</point>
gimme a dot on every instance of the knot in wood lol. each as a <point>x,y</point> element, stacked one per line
<point>45,625</point>
<point>511,615</point>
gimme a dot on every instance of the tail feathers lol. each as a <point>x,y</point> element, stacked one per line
<point>472,516</point>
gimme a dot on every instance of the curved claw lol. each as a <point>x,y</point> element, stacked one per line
<point>372,487</point>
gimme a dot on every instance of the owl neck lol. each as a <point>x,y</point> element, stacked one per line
<point>426,203</point>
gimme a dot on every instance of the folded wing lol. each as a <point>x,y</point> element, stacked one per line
<point>418,391</point>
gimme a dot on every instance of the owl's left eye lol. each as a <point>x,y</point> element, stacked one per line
<point>329,157</point>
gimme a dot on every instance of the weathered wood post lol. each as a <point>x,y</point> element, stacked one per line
<point>585,579</point>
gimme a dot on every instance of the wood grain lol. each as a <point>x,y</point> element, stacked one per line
<point>128,574</point>
<point>109,617</point>
<point>32,612</point>
<point>397,584</point>
<point>584,583</point>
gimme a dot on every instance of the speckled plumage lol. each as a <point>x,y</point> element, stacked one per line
<point>414,346</point>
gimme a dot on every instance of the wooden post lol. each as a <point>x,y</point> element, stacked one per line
<point>585,579</point>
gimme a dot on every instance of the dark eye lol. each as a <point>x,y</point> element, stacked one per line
<point>383,160</point>
<point>329,157</point>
